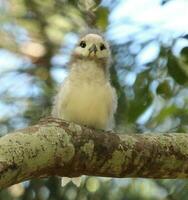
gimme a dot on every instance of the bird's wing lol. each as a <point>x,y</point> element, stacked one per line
<point>61,99</point>
<point>111,106</point>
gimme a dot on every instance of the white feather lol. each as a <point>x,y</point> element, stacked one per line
<point>86,97</point>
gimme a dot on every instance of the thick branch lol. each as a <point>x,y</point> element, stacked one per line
<point>55,147</point>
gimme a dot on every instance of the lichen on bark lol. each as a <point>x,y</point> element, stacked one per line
<point>56,147</point>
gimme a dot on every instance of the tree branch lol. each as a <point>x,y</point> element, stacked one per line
<point>56,147</point>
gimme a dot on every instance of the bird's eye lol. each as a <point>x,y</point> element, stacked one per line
<point>102,47</point>
<point>83,44</point>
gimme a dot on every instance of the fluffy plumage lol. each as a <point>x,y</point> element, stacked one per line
<point>86,96</point>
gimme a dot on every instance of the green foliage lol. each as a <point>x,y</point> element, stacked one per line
<point>164,89</point>
<point>175,70</point>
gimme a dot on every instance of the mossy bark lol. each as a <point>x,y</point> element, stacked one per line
<point>55,147</point>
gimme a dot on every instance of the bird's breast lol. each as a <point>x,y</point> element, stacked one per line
<point>88,104</point>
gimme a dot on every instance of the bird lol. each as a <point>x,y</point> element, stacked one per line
<point>86,96</point>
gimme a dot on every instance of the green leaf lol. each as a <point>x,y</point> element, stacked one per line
<point>102,17</point>
<point>175,70</point>
<point>164,89</point>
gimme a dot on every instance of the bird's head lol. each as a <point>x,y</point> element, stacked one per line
<point>92,46</point>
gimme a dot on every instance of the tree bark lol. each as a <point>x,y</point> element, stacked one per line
<point>55,147</point>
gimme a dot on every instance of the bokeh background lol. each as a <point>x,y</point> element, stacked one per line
<point>149,41</point>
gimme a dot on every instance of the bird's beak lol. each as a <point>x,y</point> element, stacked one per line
<point>93,48</point>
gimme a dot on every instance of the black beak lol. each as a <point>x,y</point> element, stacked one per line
<point>93,48</point>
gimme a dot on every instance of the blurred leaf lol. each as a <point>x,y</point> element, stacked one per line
<point>88,5</point>
<point>164,89</point>
<point>185,36</point>
<point>142,97</point>
<point>175,70</point>
<point>184,55</point>
<point>164,2</point>
<point>102,14</point>
<point>165,113</point>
